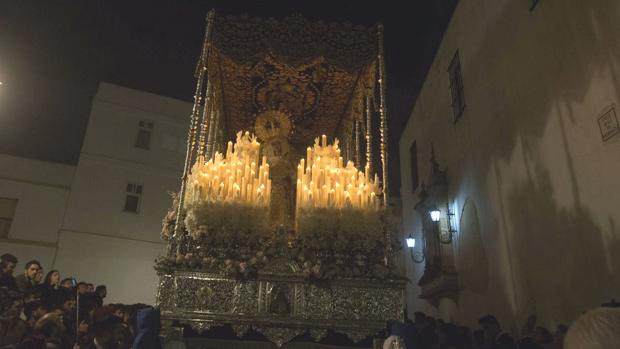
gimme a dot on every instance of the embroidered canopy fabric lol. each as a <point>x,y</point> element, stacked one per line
<point>317,73</point>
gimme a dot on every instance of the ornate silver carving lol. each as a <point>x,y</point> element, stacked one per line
<point>280,305</point>
<point>278,335</point>
<point>200,326</point>
<point>240,330</point>
<point>317,333</point>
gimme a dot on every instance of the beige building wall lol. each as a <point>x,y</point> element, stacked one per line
<point>534,187</point>
<point>72,218</point>
<point>41,190</point>
<point>115,247</point>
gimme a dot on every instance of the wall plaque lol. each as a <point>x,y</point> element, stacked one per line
<point>608,123</point>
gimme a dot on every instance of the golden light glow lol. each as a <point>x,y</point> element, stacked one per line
<point>325,182</point>
<point>232,177</point>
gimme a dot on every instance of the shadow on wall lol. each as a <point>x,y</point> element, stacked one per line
<point>559,255</point>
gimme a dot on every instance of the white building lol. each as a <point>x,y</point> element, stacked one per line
<point>105,217</point>
<point>520,104</point>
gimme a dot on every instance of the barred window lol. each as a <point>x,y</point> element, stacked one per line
<point>7,212</point>
<point>133,197</point>
<point>456,87</point>
<point>143,138</point>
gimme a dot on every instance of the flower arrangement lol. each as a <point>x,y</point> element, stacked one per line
<point>169,221</point>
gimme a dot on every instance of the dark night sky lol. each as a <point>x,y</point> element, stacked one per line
<point>54,53</point>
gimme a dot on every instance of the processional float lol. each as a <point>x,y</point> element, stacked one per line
<point>281,217</point>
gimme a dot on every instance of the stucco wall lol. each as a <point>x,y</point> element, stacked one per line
<point>71,218</point>
<point>527,154</point>
<point>42,190</point>
<point>100,242</point>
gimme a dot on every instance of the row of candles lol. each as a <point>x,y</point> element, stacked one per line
<point>325,182</point>
<point>232,177</point>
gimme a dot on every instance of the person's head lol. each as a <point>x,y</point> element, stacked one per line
<point>101,291</point>
<point>82,288</point>
<point>50,326</point>
<point>107,328</point>
<point>11,304</point>
<point>38,277</point>
<point>596,329</point>
<point>119,311</point>
<point>8,263</point>
<point>490,327</point>
<point>68,303</point>
<point>90,288</point>
<point>67,283</point>
<point>542,335</point>
<point>34,310</point>
<point>31,269</point>
<point>52,278</point>
<point>448,335</point>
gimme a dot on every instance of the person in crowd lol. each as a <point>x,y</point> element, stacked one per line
<point>494,337</point>
<point>6,275</point>
<point>90,288</point>
<point>10,263</point>
<point>12,327</point>
<point>107,330</point>
<point>9,258</point>
<point>558,337</point>
<point>428,335</point>
<point>67,283</point>
<point>82,288</point>
<point>27,281</point>
<point>419,318</point>
<point>147,329</point>
<point>100,293</point>
<point>596,329</point>
<point>34,310</point>
<point>51,290</point>
<point>49,330</point>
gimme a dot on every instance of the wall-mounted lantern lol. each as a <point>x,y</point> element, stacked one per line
<point>416,257</point>
<point>435,214</point>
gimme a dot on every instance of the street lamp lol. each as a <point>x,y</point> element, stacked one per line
<point>435,214</point>
<point>415,257</point>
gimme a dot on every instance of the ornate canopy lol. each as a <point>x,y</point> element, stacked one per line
<point>316,73</point>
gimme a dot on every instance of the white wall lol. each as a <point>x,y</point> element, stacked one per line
<point>71,218</point>
<point>100,242</point>
<point>42,190</point>
<point>528,154</point>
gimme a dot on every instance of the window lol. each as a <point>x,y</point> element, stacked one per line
<point>7,212</point>
<point>133,197</point>
<point>456,87</point>
<point>143,139</point>
<point>413,153</point>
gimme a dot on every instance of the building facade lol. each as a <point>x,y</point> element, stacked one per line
<point>514,140</point>
<point>116,197</point>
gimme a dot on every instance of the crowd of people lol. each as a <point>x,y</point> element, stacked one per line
<point>596,329</point>
<point>42,310</point>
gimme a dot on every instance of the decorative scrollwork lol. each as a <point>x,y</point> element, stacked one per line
<point>278,335</point>
<point>240,330</point>
<point>317,333</point>
<point>200,326</point>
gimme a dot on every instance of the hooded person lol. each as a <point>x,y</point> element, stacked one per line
<point>148,327</point>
